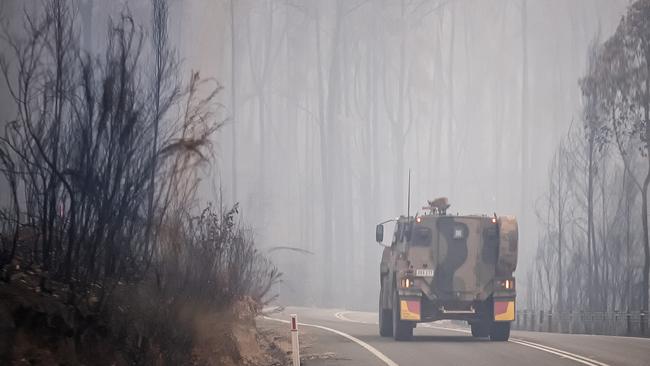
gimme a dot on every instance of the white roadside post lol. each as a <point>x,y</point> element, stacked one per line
<point>295,347</point>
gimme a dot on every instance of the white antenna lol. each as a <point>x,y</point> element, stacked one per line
<point>408,204</point>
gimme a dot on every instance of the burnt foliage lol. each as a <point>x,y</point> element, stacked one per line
<point>102,162</point>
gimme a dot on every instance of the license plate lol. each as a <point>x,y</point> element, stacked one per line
<point>424,273</point>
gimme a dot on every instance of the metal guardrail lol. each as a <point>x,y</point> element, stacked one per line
<point>633,323</point>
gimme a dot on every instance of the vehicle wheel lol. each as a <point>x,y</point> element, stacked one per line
<point>385,316</point>
<point>500,331</point>
<point>480,330</point>
<point>402,330</point>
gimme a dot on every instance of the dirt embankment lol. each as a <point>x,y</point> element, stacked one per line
<point>38,327</point>
<point>232,338</point>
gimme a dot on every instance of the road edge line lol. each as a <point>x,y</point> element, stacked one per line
<point>522,342</point>
<point>363,344</point>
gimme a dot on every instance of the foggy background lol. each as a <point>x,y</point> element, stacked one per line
<point>330,103</point>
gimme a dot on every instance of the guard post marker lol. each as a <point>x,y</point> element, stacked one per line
<point>295,347</point>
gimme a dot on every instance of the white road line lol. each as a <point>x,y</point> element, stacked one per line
<point>564,354</point>
<point>363,344</point>
<point>340,315</point>
<point>551,349</point>
<point>555,351</point>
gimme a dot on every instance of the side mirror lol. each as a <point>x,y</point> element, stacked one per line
<point>379,233</point>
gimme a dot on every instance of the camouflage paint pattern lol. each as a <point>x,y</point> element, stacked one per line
<point>508,245</point>
<point>463,255</point>
<point>466,253</point>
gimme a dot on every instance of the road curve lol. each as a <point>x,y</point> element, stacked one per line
<point>354,340</point>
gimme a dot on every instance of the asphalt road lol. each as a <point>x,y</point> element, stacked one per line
<point>350,338</point>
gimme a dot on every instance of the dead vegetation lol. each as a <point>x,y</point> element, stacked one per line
<point>103,258</point>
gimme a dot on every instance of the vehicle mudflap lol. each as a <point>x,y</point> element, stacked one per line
<point>504,310</point>
<point>410,308</point>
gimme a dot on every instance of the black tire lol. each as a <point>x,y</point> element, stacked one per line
<point>402,330</point>
<point>385,316</point>
<point>500,331</point>
<point>480,330</point>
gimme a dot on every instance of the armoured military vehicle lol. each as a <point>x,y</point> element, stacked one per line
<point>441,266</point>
